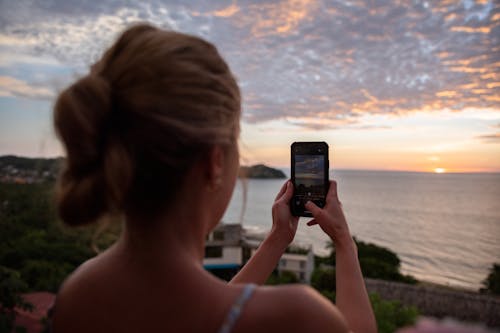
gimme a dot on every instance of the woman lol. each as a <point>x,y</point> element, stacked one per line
<point>151,135</point>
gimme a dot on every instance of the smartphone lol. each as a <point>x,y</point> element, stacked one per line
<point>310,167</point>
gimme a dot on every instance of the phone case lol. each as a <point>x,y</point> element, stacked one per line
<point>310,154</point>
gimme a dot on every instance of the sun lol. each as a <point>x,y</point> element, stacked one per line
<point>439,170</point>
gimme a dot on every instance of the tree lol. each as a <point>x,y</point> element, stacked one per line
<point>377,262</point>
<point>391,315</point>
<point>492,282</point>
<point>285,277</point>
<point>323,279</point>
<point>11,287</point>
<point>34,242</point>
<point>45,275</point>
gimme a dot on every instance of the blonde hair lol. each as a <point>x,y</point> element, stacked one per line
<point>154,104</point>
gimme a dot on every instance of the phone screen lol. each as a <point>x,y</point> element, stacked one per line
<point>309,175</point>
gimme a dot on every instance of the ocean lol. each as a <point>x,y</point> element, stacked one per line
<point>444,227</point>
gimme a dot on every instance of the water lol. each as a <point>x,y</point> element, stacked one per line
<point>444,227</point>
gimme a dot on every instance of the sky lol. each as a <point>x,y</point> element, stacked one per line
<point>389,85</point>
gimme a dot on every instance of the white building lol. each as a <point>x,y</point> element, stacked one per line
<point>224,248</point>
<point>302,265</point>
<point>229,247</point>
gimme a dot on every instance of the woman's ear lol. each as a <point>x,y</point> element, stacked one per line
<point>215,167</point>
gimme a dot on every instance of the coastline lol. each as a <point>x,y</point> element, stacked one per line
<point>258,232</point>
<point>441,302</point>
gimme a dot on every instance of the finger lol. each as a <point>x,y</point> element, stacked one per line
<point>332,191</point>
<point>311,206</point>
<point>285,197</point>
<point>288,192</point>
<point>282,190</point>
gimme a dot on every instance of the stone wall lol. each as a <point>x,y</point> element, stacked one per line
<point>441,302</point>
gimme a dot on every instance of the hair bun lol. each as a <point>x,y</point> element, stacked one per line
<point>81,119</point>
<point>80,201</point>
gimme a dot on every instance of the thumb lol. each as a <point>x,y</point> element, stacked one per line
<point>287,195</point>
<point>289,191</point>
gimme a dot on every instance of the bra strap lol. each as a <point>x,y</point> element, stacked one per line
<point>235,311</point>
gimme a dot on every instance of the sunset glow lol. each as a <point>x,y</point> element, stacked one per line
<point>401,85</point>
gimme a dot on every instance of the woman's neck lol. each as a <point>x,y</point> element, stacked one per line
<point>177,236</point>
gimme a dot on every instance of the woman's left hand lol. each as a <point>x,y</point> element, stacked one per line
<point>264,261</point>
<point>284,223</point>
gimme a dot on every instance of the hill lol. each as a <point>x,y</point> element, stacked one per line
<point>15,169</point>
<point>260,171</point>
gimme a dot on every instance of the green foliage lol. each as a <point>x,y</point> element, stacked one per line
<point>297,250</point>
<point>322,261</point>
<point>492,281</point>
<point>379,269</point>
<point>35,244</point>
<point>323,279</point>
<point>381,263</point>
<point>330,295</point>
<point>376,262</point>
<point>284,277</point>
<point>288,277</point>
<point>391,315</point>
<point>45,275</point>
<point>11,287</point>
<point>382,254</point>
<point>28,163</point>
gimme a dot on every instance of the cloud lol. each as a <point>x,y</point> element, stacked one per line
<point>311,62</point>
<point>10,59</point>
<point>10,86</point>
<point>319,123</point>
<point>227,12</point>
<point>489,138</point>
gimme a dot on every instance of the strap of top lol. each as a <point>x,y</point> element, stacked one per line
<point>235,311</point>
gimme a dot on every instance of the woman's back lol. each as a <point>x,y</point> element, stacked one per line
<point>116,293</point>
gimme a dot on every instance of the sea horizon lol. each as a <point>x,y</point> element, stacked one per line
<point>286,169</point>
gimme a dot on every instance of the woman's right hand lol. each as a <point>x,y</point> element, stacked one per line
<point>351,296</point>
<point>331,218</point>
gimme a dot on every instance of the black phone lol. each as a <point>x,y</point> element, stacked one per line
<point>310,165</point>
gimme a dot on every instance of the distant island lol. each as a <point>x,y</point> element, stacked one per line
<point>260,171</point>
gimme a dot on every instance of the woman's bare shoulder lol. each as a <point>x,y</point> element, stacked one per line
<point>295,308</point>
<point>75,295</point>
